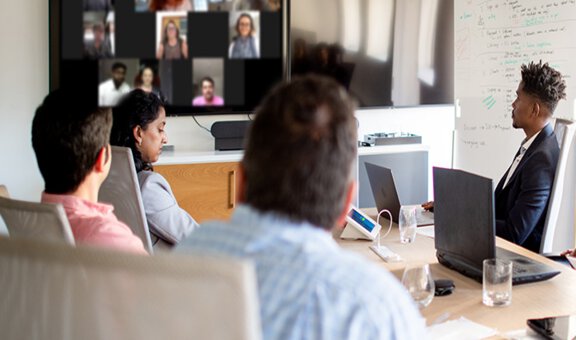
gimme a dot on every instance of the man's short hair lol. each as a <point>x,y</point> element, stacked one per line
<point>118,65</point>
<point>300,150</point>
<point>208,79</point>
<point>67,138</point>
<point>544,83</point>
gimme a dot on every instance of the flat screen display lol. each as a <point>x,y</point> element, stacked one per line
<point>201,56</point>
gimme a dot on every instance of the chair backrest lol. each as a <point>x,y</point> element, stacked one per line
<point>55,292</point>
<point>122,190</point>
<point>42,221</point>
<point>558,232</point>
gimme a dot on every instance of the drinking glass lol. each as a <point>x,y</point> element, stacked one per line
<point>497,282</point>
<point>407,224</point>
<point>419,283</point>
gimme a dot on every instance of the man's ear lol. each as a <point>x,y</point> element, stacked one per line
<point>240,184</point>
<point>536,109</point>
<point>103,159</point>
<point>350,194</point>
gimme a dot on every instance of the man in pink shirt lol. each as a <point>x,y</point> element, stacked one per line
<point>208,98</point>
<point>72,148</point>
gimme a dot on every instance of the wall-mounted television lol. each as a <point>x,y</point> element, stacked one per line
<point>201,56</point>
<point>385,52</point>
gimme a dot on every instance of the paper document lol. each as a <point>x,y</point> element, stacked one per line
<point>461,328</point>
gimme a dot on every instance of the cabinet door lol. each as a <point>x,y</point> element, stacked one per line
<point>206,190</point>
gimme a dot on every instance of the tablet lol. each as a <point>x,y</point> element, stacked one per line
<point>359,226</point>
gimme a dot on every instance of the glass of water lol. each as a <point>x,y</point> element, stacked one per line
<point>407,224</point>
<point>497,282</point>
<point>419,283</point>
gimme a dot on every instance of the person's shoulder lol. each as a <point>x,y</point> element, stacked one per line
<point>214,237</point>
<point>148,178</point>
<point>106,84</point>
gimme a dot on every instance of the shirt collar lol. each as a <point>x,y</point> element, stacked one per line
<point>271,227</point>
<point>74,203</point>
<point>526,143</point>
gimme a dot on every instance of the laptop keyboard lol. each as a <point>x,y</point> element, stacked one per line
<point>518,270</point>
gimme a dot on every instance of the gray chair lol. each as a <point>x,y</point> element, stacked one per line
<point>122,190</point>
<point>43,221</point>
<point>558,232</point>
<point>54,292</point>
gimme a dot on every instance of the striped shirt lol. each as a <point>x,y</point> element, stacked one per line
<point>309,288</point>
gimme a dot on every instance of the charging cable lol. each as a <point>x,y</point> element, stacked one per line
<point>379,236</point>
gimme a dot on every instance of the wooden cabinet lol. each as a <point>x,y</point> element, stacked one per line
<point>205,190</point>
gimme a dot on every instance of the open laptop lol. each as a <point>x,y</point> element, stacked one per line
<point>465,228</point>
<point>386,195</point>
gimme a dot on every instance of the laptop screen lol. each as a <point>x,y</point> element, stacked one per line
<point>464,217</point>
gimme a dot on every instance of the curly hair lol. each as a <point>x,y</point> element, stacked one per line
<point>543,82</point>
<point>137,108</point>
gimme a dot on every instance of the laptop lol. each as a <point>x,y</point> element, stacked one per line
<point>386,195</point>
<point>465,228</point>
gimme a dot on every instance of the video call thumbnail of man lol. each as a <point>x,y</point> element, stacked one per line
<point>118,76</point>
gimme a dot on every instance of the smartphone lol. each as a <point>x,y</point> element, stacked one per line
<point>561,327</point>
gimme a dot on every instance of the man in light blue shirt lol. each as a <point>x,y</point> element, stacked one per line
<point>294,186</point>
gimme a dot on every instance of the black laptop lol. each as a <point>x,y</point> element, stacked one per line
<point>386,195</point>
<point>465,228</point>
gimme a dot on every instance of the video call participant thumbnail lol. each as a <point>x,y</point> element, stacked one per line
<point>208,98</point>
<point>111,90</point>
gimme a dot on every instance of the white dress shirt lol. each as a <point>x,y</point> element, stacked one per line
<point>525,145</point>
<point>109,95</point>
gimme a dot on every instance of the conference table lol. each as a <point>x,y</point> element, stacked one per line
<point>553,297</point>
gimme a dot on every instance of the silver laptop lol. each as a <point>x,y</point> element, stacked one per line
<point>386,195</point>
<point>465,228</point>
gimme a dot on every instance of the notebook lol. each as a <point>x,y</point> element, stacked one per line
<point>465,228</point>
<point>386,195</point>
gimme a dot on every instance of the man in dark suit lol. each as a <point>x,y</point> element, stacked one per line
<point>522,195</point>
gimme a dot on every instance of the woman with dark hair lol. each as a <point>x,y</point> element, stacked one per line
<point>170,5</point>
<point>172,45</point>
<point>245,44</point>
<point>147,81</point>
<point>139,122</point>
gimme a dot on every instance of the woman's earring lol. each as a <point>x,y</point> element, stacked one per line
<point>140,143</point>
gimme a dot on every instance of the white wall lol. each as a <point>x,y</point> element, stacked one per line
<point>24,83</point>
<point>434,123</point>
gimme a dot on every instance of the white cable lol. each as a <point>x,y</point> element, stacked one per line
<point>389,226</point>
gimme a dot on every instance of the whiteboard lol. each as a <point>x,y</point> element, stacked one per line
<point>492,39</point>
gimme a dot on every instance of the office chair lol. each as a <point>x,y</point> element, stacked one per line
<point>122,190</point>
<point>558,232</point>
<point>43,221</point>
<point>55,292</point>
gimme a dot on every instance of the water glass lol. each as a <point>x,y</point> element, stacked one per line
<point>497,282</point>
<point>407,224</point>
<point>419,283</point>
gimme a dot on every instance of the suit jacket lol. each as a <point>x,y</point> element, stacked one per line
<point>168,223</point>
<point>522,205</point>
